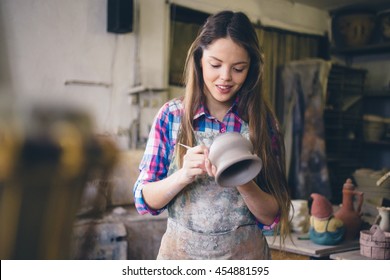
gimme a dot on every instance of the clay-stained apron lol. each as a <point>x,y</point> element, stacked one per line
<point>207,221</point>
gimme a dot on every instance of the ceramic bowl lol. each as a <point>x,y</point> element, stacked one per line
<point>232,154</point>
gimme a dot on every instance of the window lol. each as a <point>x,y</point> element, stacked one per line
<point>185,24</point>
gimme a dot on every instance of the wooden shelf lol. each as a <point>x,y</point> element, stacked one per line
<point>378,48</point>
<point>349,255</point>
<point>378,143</point>
<point>377,94</point>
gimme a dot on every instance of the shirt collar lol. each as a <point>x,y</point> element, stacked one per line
<point>203,110</point>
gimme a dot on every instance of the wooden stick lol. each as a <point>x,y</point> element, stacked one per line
<point>185,146</point>
<point>382,179</point>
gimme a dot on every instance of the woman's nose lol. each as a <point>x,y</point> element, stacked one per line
<point>226,74</point>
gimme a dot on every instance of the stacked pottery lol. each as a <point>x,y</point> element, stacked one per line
<point>325,229</point>
<point>347,213</point>
<point>299,216</point>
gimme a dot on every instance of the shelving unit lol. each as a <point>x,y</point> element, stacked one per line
<point>376,40</point>
<point>354,151</point>
<point>376,154</point>
<point>343,124</point>
<point>348,54</point>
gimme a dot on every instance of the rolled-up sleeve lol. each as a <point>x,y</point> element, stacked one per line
<point>158,152</point>
<point>155,162</point>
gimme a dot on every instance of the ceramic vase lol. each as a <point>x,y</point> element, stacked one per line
<point>350,216</point>
<point>299,216</point>
<point>384,218</point>
<point>232,154</point>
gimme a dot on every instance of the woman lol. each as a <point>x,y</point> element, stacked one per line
<point>224,71</point>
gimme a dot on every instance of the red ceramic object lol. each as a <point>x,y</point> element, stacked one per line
<point>321,207</point>
<point>347,213</point>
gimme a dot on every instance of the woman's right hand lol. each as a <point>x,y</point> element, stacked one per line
<point>159,193</point>
<point>193,164</point>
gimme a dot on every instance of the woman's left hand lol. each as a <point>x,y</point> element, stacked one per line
<point>210,168</point>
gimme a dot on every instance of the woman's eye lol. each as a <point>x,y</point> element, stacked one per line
<point>239,70</point>
<point>214,65</point>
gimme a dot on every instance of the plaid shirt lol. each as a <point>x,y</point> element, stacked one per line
<point>162,140</point>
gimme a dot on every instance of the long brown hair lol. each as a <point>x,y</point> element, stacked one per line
<point>252,106</point>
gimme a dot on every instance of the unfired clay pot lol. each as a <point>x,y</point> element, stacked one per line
<point>232,154</point>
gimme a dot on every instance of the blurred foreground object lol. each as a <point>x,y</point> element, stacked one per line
<point>47,154</point>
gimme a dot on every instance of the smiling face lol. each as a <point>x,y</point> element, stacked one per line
<point>225,66</point>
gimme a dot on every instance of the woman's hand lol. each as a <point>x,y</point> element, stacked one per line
<point>210,168</point>
<point>194,164</point>
<point>157,194</point>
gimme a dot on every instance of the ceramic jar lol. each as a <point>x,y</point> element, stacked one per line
<point>232,154</point>
<point>299,216</point>
<point>350,216</point>
<point>384,218</point>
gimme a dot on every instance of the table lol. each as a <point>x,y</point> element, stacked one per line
<point>307,248</point>
<point>350,255</point>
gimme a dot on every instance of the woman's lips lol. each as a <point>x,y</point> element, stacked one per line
<point>224,89</point>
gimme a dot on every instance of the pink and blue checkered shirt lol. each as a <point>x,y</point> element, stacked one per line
<point>162,140</point>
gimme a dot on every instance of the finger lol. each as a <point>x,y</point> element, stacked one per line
<point>211,170</point>
<point>206,152</point>
<point>195,164</point>
<point>214,170</point>
<point>193,158</point>
<point>196,150</point>
<point>196,157</point>
<point>208,167</point>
